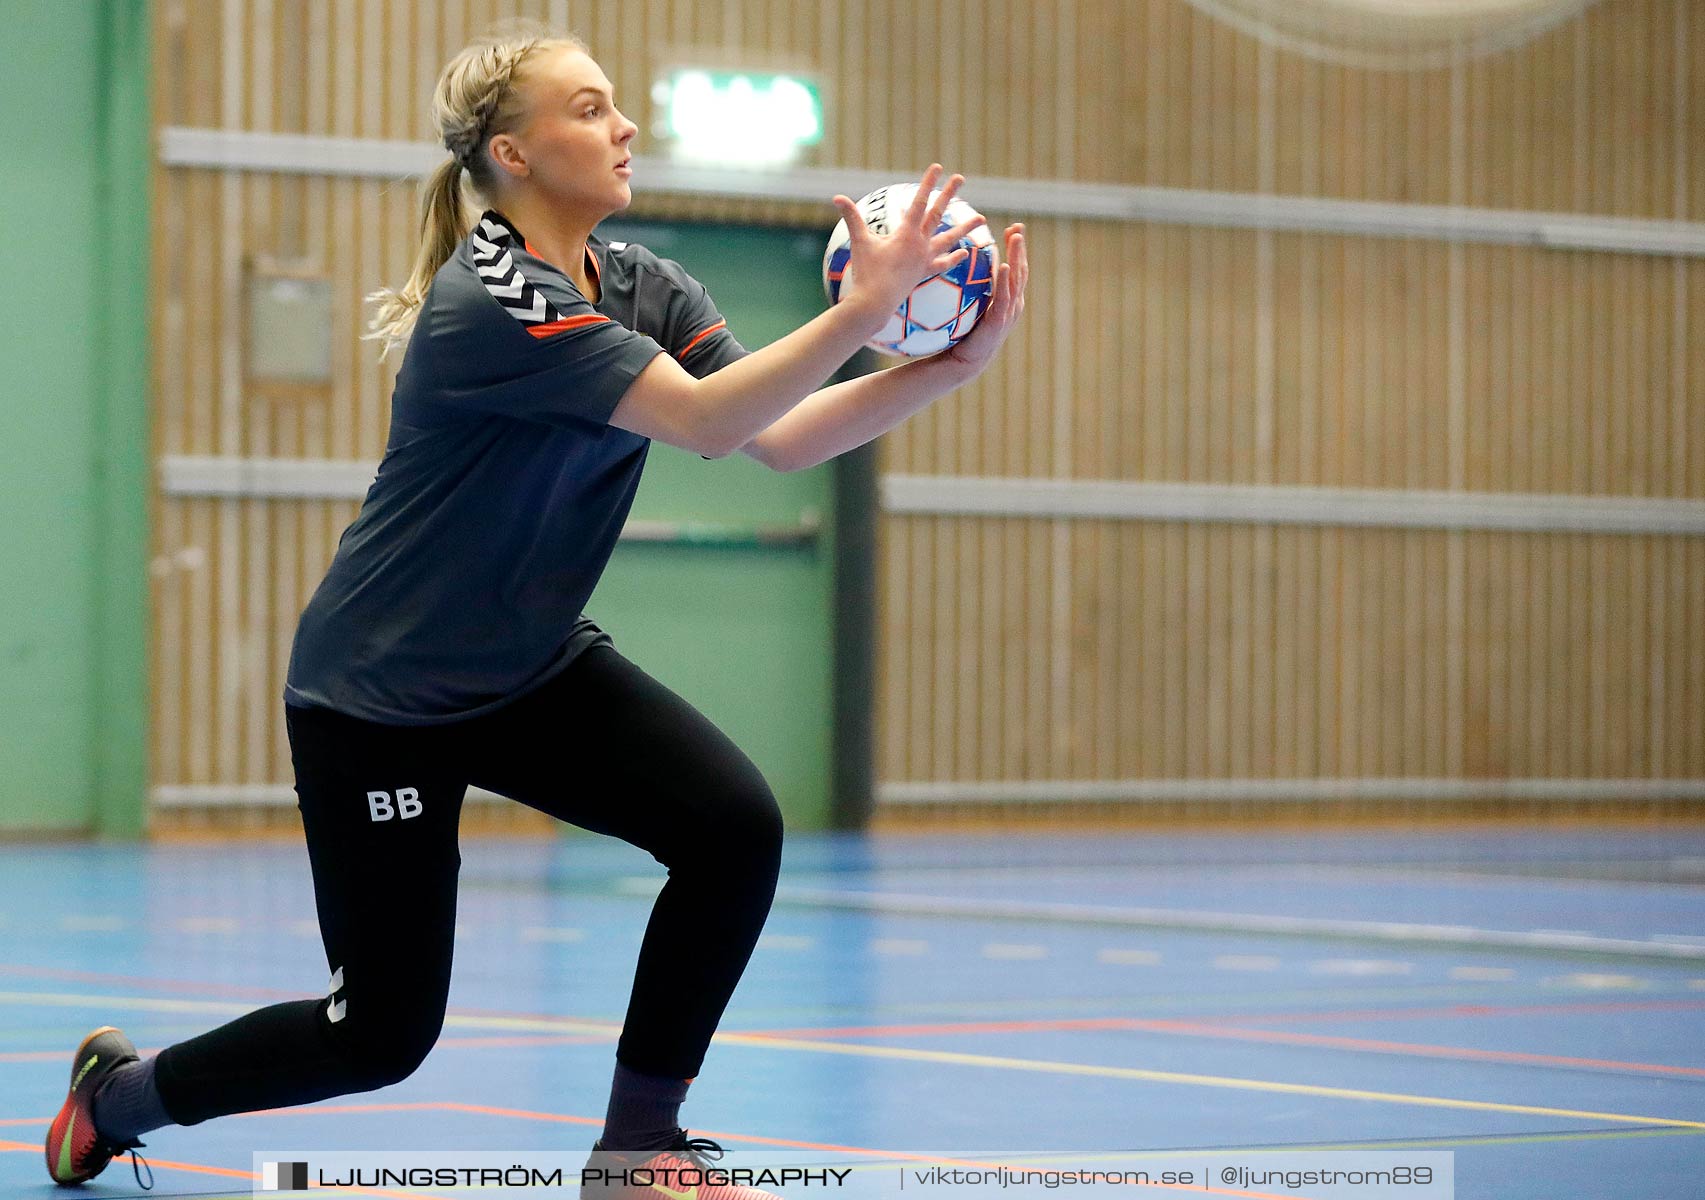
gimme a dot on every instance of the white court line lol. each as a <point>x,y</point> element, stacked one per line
<point>94,923</point>
<point>785,941</point>
<point>1014,951</point>
<point>550,933</point>
<point>1360,966</point>
<point>304,929</point>
<point>1201,920</point>
<point>1246,962</point>
<point>905,946</point>
<point>1597,981</point>
<point>206,925</point>
<point>1128,958</point>
<point>1482,974</point>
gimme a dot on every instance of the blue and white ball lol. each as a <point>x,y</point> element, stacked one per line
<point>940,310</point>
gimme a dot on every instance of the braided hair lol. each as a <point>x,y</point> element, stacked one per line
<point>475,100</point>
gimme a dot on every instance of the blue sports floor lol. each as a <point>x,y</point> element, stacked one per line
<point>1532,1001</point>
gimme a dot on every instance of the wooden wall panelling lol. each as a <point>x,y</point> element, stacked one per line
<point>1021,648</point>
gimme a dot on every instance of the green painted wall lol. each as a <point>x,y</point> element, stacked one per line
<point>744,634</point>
<point>73,416</point>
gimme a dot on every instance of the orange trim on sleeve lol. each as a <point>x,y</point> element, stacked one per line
<point>685,350</point>
<point>562,323</point>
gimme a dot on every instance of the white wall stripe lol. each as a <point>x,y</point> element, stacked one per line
<point>1388,507</point>
<point>1234,791</point>
<point>210,475</point>
<point>244,795</point>
<point>228,149</point>
<point>282,478</point>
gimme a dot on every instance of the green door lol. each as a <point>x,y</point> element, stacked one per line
<point>743,632</point>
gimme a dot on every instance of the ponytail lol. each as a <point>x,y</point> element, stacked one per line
<point>444,223</point>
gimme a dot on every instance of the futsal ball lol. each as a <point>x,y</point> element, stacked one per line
<point>940,310</point>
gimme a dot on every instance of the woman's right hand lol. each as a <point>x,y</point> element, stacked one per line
<point>885,268</point>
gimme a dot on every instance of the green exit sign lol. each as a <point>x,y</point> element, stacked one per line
<point>737,118</point>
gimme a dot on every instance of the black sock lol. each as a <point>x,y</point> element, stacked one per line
<point>127,1104</point>
<point>644,1111</point>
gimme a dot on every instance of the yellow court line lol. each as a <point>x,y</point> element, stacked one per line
<point>949,1057</point>
<point>153,1003</point>
<point>1222,1081</point>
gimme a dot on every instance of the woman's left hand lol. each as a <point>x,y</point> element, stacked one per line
<point>974,352</point>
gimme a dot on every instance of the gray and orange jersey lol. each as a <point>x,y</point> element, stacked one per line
<point>460,585</point>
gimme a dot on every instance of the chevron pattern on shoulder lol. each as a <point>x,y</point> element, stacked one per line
<point>502,277</point>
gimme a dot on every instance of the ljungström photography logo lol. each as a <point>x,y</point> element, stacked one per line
<point>284,1176</point>
<point>848,1174</point>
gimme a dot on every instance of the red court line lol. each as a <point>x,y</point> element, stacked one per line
<point>1210,1026</point>
<point>1466,1010</point>
<point>494,1111</point>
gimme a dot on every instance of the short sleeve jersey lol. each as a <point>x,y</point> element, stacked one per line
<point>460,584</point>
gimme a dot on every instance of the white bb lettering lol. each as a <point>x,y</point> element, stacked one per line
<point>381,808</point>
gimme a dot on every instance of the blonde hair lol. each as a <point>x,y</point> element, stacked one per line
<point>475,100</point>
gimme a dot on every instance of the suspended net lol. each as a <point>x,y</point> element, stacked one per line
<point>1394,34</point>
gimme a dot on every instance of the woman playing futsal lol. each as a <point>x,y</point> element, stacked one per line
<point>446,646</point>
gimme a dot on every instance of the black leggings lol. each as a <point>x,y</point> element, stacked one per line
<point>603,746</point>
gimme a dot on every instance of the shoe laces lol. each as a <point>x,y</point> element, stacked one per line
<point>133,1146</point>
<point>700,1151</point>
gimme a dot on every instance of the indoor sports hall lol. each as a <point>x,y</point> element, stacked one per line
<point>1242,737</point>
